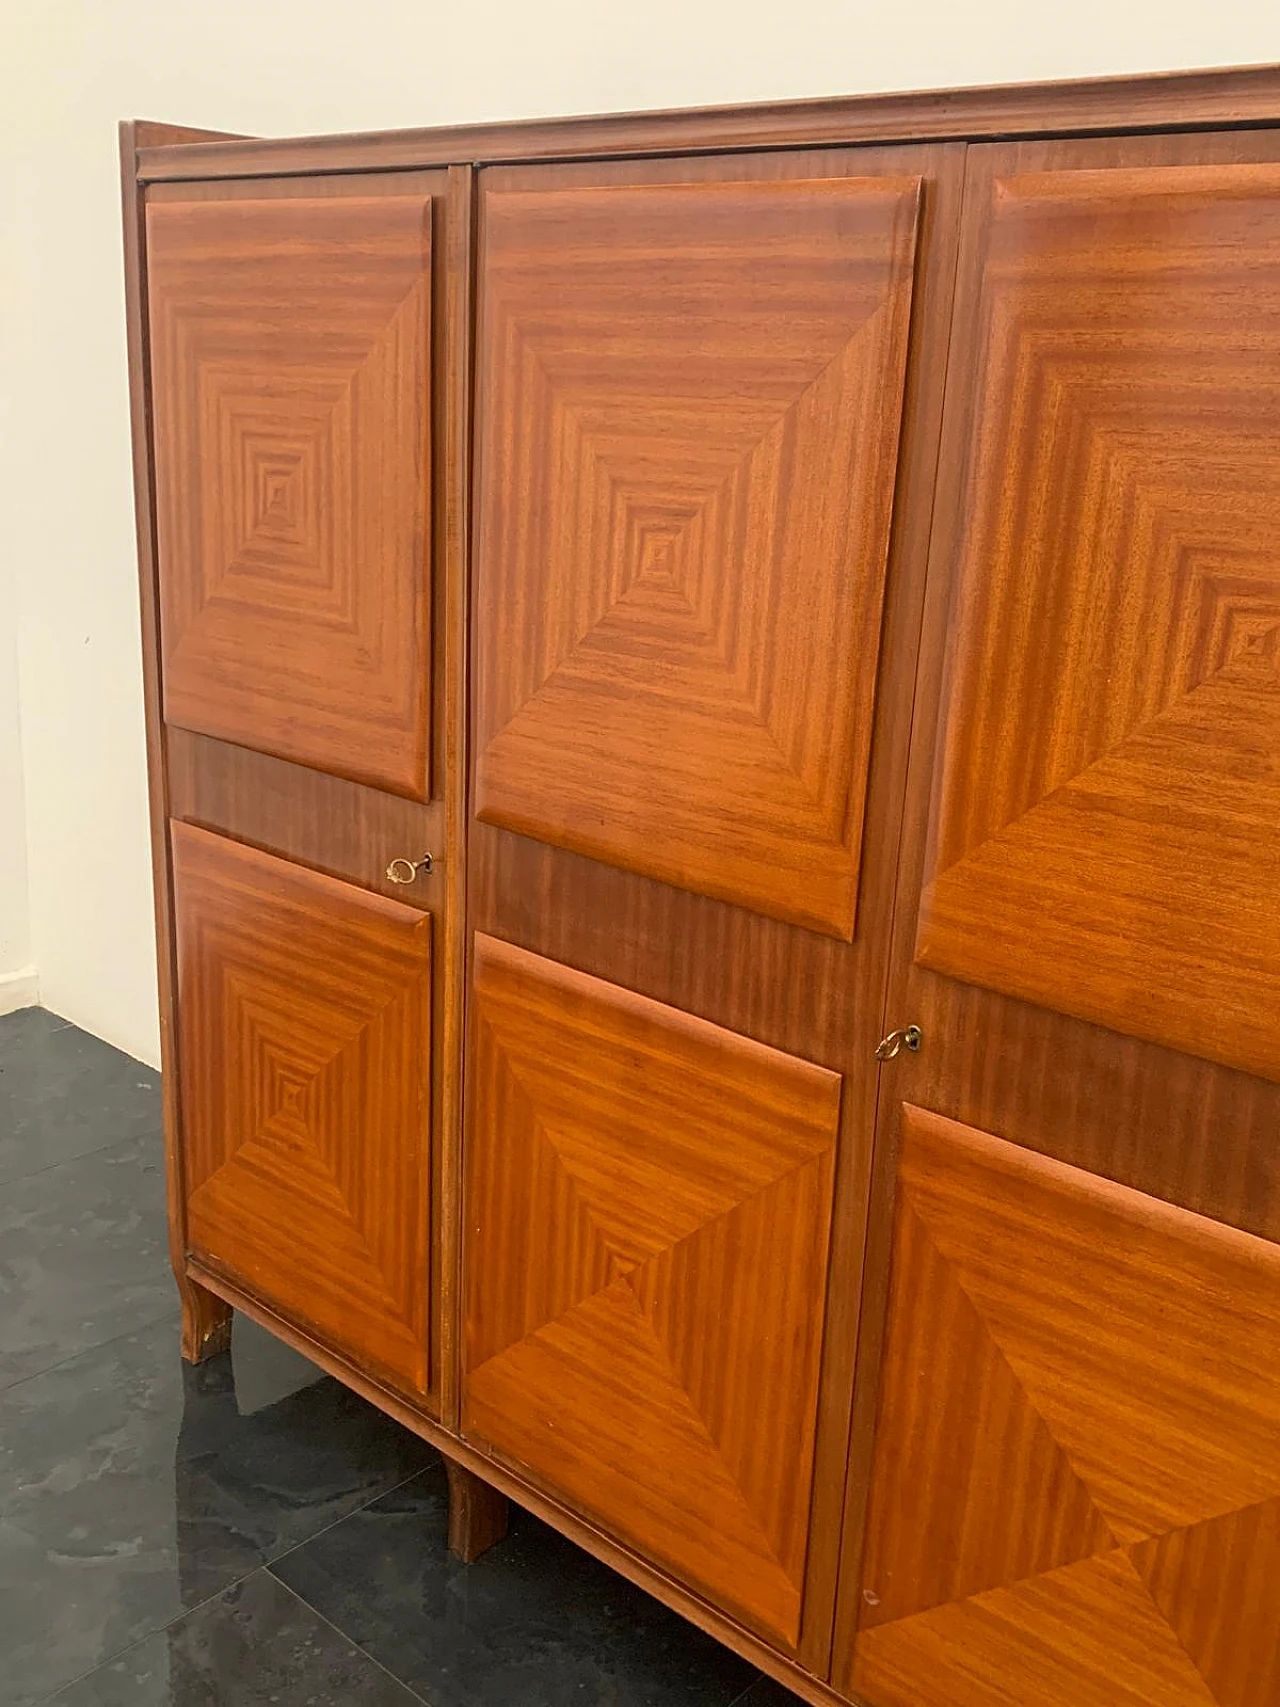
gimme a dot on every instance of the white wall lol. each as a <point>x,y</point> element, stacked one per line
<point>17,973</point>
<point>279,66</point>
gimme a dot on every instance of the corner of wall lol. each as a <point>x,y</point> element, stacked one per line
<point>20,989</point>
<point>18,982</point>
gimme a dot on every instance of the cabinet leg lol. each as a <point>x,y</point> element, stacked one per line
<point>477,1513</point>
<point>206,1322</point>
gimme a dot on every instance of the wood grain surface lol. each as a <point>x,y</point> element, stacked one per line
<point>802,992</point>
<point>1174,1125</point>
<point>346,829</point>
<point>350,829</point>
<point>290,361</point>
<point>688,403</point>
<point>1076,1492</point>
<point>206,1319</point>
<point>1109,780</point>
<point>1225,96</point>
<point>304,1022</point>
<point>453,637</point>
<point>648,1210</point>
<point>1169,1122</point>
<point>477,1513</point>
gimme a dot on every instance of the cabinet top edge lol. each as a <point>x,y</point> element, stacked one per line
<point>1232,96</point>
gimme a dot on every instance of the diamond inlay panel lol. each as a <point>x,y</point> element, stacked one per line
<point>290,354</point>
<point>1107,830</point>
<point>648,1211</point>
<point>1076,1489</point>
<point>304,1042</point>
<point>689,410</point>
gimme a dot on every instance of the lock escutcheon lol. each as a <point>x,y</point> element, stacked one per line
<point>907,1037</point>
<point>405,870</point>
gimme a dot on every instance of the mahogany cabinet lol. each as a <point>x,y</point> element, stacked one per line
<point>714,713</point>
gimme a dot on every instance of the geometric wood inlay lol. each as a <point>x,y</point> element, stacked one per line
<point>648,1213</point>
<point>304,1035</point>
<point>690,403</point>
<point>1107,827</point>
<point>291,378</point>
<point>1075,1497</point>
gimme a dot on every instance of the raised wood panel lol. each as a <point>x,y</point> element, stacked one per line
<point>304,1050</point>
<point>689,410</point>
<point>1076,1489</point>
<point>290,361</point>
<point>648,1212</point>
<point>1107,832</point>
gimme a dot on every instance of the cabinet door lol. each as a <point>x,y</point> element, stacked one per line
<point>1077,1484</point>
<point>290,371</point>
<point>1075,1480</point>
<point>650,1206</point>
<point>304,1028</point>
<point>692,384</point>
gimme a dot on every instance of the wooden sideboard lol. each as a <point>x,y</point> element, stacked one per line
<point>713,698</point>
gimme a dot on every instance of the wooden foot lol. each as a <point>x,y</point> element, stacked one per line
<point>206,1322</point>
<point>477,1513</point>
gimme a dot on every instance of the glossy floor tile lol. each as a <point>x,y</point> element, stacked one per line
<point>255,1645</point>
<point>83,1255</point>
<point>533,1620</point>
<point>133,1488</point>
<point>64,1093</point>
<point>247,1532</point>
<point>764,1692</point>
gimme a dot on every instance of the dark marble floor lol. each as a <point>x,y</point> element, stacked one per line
<point>247,1532</point>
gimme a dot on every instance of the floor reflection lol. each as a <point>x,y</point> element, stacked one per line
<point>247,1533</point>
